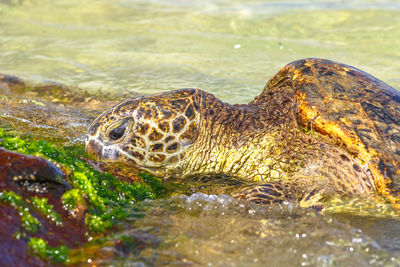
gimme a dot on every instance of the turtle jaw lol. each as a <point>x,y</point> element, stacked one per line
<point>101,152</point>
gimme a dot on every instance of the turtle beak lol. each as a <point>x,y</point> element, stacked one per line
<point>94,148</point>
<point>99,151</point>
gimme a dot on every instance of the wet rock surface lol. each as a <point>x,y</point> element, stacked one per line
<point>32,177</point>
<point>50,110</point>
<point>56,113</point>
<point>33,174</point>
<point>50,120</point>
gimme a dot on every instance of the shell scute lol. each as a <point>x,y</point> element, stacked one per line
<point>353,110</point>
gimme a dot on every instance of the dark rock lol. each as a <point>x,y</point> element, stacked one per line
<point>30,176</point>
<point>20,172</point>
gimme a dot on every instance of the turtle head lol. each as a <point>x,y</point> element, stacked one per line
<point>151,133</point>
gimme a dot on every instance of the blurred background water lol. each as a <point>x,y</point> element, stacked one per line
<point>230,48</point>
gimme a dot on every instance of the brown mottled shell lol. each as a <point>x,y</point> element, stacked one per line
<point>351,109</point>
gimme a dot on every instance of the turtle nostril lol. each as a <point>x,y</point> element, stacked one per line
<point>117,133</point>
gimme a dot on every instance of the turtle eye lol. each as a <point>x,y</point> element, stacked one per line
<point>116,133</point>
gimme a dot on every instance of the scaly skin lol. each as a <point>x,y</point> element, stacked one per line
<point>314,132</point>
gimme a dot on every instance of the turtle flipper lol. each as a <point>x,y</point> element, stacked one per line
<point>279,191</point>
<point>265,193</point>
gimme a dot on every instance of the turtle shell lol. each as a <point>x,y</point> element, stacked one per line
<point>352,109</point>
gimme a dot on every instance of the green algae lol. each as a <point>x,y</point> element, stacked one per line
<point>107,198</point>
<point>167,189</point>
<point>96,223</point>
<point>158,186</point>
<point>30,223</point>
<point>71,199</point>
<point>41,248</point>
<point>46,209</point>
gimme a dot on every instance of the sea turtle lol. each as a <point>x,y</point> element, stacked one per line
<point>318,129</point>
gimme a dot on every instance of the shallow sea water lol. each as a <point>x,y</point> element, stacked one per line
<point>215,230</point>
<point>230,48</point>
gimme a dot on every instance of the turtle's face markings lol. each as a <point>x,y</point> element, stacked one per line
<point>151,132</point>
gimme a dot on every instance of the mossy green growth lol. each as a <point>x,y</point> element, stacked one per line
<point>46,209</point>
<point>109,198</point>
<point>41,248</point>
<point>166,190</point>
<point>72,198</point>
<point>156,183</point>
<point>30,223</point>
<point>96,223</point>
